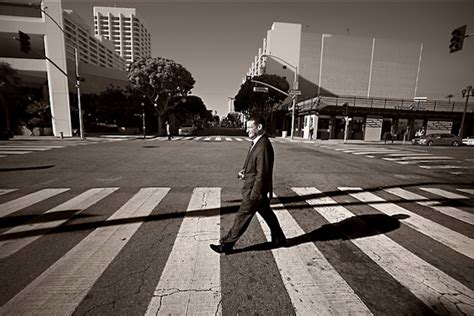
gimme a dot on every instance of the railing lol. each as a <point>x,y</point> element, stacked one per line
<point>387,103</point>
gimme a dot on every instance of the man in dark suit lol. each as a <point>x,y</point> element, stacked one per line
<point>257,175</point>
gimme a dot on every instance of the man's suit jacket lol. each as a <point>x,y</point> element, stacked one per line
<point>258,181</point>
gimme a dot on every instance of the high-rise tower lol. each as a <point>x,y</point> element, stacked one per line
<point>125,29</point>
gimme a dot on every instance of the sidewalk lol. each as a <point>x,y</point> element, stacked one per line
<point>348,142</point>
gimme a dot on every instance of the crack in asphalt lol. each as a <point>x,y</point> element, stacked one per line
<point>175,290</point>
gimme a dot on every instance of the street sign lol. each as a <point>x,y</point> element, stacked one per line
<point>295,92</point>
<point>260,89</point>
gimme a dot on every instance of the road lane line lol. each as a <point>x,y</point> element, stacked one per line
<point>238,139</point>
<point>5,191</point>
<point>218,138</point>
<point>207,139</point>
<point>188,138</point>
<point>470,191</point>
<point>444,193</point>
<point>190,283</point>
<point>435,205</point>
<point>445,236</point>
<point>62,287</point>
<point>314,286</point>
<point>198,138</point>
<point>228,139</point>
<point>76,204</point>
<point>428,283</point>
<point>176,138</point>
<point>445,167</point>
<point>27,200</point>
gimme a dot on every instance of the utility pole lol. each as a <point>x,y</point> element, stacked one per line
<point>465,93</point>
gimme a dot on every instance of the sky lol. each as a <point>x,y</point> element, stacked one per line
<point>218,40</point>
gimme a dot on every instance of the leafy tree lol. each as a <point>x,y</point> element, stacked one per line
<point>39,113</point>
<point>9,83</point>
<point>187,109</point>
<point>261,103</point>
<point>160,80</point>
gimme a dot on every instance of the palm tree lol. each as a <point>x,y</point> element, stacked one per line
<point>9,82</point>
<point>449,96</point>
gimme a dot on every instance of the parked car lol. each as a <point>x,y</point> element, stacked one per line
<point>187,129</point>
<point>469,141</point>
<point>6,134</point>
<point>440,139</point>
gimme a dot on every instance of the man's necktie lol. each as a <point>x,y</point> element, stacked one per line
<point>248,156</point>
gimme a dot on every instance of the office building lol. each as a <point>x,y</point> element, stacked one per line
<point>125,29</point>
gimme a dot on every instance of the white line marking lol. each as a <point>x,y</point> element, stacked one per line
<point>188,138</point>
<point>207,139</point>
<point>375,152</point>
<point>435,205</point>
<point>470,191</point>
<point>33,147</point>
<point>78,204</point>
<point>408,154</point>
<point>24,148</point>
<point>218,138</point>
<point>444,193</point>
<point>370,156</point>
<point>418,158</point>
<point>314,286</point>
<point>444,167</point>
<point>176,138</point>
<point>429,284</point>
<point>6,152</point>
<point>62,287</point>
<point>414,162</point>
<point>228,139</point>
<point>248,139</point>
<point>446,236</point>
<point>238,139</point>
<point>27,200</point>
<point>198,138</point>
<point>190,283</point>
<point>5,191</point>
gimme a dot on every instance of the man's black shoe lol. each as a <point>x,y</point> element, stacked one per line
<point>279,242</point>
<point>222,248</point>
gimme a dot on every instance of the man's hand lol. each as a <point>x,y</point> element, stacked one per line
<point>241,175</point>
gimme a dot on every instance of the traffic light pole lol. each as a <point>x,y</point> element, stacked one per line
<point>78,86</point>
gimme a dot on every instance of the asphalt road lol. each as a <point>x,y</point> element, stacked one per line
<point>368,261</point>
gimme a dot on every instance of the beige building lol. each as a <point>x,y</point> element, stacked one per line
<point>354,87</point>
<point>125,29</point>
<point>55,35</point>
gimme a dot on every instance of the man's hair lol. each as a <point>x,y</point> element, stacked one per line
<point>258,119</point>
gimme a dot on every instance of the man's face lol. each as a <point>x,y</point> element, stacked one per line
<point>252,130</point>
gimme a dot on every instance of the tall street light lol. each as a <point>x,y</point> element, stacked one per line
<point>293,93</point>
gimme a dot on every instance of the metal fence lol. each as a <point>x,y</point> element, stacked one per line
<point>386,103</point>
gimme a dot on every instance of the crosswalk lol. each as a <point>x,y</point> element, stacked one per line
<point>405,156</point>
<point>28,147</point>
<point>418,238</point>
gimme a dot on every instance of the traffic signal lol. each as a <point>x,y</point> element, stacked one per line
<point>457,39</point>
<point>25,45</point>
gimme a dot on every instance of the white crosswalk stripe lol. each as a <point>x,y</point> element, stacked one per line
<point>428,283</point>
<point>191,279</point>
<point>446,236</point>
<point>470,191</point>
<point>30,199</point>
<point>190,283</point>
<point>444,193</point>
<point>63,286</point>
<point>78,204</point>
<point>6,191</point>
<point>435,205</point>
<point>314,286</point>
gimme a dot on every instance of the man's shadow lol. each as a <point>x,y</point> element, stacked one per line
<point>351,228</point>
